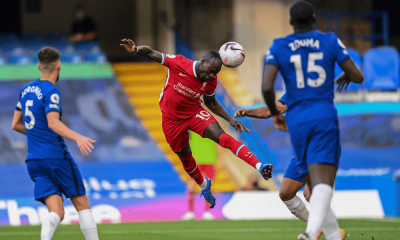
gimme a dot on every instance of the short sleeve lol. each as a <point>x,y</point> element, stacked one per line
<point>283,99</point>
<point>211,91</point>
<point>53,101</point>
<point>170,60</point>
<point>270,56</point>
<point>340,51</point>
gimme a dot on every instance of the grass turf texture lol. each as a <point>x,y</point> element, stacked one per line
<point>378,229</point>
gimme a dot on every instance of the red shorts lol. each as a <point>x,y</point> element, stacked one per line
<point>177,131</point>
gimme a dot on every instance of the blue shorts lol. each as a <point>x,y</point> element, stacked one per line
<point>292,171</point>
<point>316,142</point>
<point>55,176</point>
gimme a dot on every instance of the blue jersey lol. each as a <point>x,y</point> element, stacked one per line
<point>36,100</point>
<point>306,62</point>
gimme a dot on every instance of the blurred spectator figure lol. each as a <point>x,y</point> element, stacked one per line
<point>83,28</point>
<point>252,184</point>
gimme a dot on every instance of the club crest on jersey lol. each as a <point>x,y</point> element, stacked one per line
<point>204,85</point>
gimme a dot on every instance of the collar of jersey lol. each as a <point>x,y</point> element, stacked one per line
<point>194,68</point>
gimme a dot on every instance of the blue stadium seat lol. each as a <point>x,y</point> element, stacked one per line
<point>20,59</point>
<point>8,37</point>
<point>356,56</point>
<point>12,48</point>
<point>57,37</point>
<point>31,37</point>
<point>34,47</point>
<point>95,57</point>
<point>381,69</point>
<point>71,58</point>
<point>2,61</point>
<point>34,58</point>
<point>87,47</point>
<point>64,47</point>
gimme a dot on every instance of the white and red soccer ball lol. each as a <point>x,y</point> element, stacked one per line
<point>232,54</point>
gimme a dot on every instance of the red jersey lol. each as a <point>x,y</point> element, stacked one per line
<point>180,98</point>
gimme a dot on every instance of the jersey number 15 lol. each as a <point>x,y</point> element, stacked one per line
<point>311,67</point>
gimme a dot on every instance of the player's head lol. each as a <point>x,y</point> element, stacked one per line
<point>302,15</point>
<point>209,65</point>
<point>49,61</point>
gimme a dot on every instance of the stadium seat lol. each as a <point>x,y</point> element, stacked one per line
<point>381,69</point>
<point>8,37</point>
<point>12,48</point>
<point>31,37</point>
<point>64,47</point>
<point>57,37</point>
<point>87,47</point>
<point>19,59</point>
<point>95,57</point>
<point>71,58</point>
<point>35,47</point>
<point>34,58</point>
<point>356,56</point>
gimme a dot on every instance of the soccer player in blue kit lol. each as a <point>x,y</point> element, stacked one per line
<point>306,61</point>
<point>50,165</point>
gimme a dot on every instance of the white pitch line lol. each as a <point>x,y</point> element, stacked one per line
<point>211,230</point>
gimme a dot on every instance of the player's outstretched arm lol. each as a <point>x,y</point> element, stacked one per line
<point>261,112</point>
<point>84,143</point>
<point>215,107</point>
<point>18,122</point>
<point>270,72</point>
<point>351,73</point>
<point>144,51</point>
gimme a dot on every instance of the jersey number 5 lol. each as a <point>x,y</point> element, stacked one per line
<point>28,113</point>
<point>311,67</point>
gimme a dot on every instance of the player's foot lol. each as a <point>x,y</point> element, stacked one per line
<point>266,171</point>
<point>343,234</point>
<point>303,236</point>
<point>188,216</point>
<point>319,234</point>
<point>210,199</point>
<point>208,216</point>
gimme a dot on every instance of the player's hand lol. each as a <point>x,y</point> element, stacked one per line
<point>238,126</point>
<point>281,108</point>
<point>279,122</point>
<point>343,83</point>
<point>240,113</point>
<point>85,145</point>
<point>129,45</point>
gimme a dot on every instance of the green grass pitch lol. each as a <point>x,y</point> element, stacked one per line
<point>357,229</point>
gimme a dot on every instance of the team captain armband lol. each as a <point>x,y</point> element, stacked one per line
<point>18,107</point>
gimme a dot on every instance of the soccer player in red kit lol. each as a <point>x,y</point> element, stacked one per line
<point>182,110</point>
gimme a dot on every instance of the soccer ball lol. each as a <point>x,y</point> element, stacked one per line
<point>232,54</point>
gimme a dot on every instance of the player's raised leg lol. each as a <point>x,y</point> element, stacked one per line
<point>214,132</point>
<point>54,204</point>
<point>86,220</point>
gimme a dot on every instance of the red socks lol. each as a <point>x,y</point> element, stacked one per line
<point>238,148</point>
<point>190,166</point>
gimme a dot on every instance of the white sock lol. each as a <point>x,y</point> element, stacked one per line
<point>320,203</point>
<point>297,208</point>
<point>88,225</point>
<point>258,166</point>
<point>49,226</point>
<point>203,185</point>
<point>330,228</point>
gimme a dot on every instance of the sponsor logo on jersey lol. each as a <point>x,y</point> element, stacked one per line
<point>186,91</point>
<point>33,89</point>
<point>55,98</point>
<point>54,106</point>
<point>183,75</point>
<point>308,42</point>
<point>204,85</point>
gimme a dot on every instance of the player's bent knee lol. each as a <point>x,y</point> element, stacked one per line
<point>286,195</point>
<point>81,203</point>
